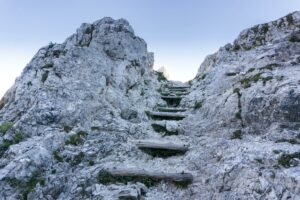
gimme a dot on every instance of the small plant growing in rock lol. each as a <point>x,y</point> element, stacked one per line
<point>259,160</point>
<point>203,77</point>
<point>51,45</point>
<point>91,163</point>
<point>17,138</point>
<point>265,28</point>
<point>291,141</point>
<point>161,77</point>
<point>57,156</point>
<point>294,38</point>
<point>290,19</point>
<point>251,70</point>
<point>285,160</point>
<point>76,139</point>
<point>5,127</point>
<point>255,29</point>
<point>67,129</point>
<point>45,76</point>
<point>105,177</point>
<point>270,66</point>
<point>47,66</point>
<point>237,134</point>
<point>231,74</point>
<point>198,105</point>
<point>89,30</point>
<point>77,159</point>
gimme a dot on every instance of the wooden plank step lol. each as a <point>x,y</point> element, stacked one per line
<point>178,87</point>
<point>162,149</point>
<point>174,93</point>
<point>149,178</point>
<point>171,97</point>
<point>166,115</point>
<point>171,109</point>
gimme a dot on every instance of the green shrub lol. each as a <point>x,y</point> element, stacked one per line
<point>290,19</point>
<point>5,127</point>
<point>89,30</point>
<point>105,177</point>
<point>270,66</point>
<point>45,76</point>
<point>67,129</point>
<point>30,185</point>
<point>294,38</point>
<point>238,115</point>
<point>231,74</point>
<point>26,187</point>
<point>246,82</point>
<point>203,77</point>
<point>161,77</point>
<point>57,156</point>
<point>76,139</point>
<point>48,66</point>
<point>198,105</point>
<point>255,29</point>
<point>91,163</point>
<point>17,138</point>
<point>291,141</point>
<point>50,45</point>
<point>275,151</point>
<point>285,159</point>
<point>251,70</point>
<point>259,160</point>
<point>78,158</point>
<point>265,28</point>
<point>237,134</point>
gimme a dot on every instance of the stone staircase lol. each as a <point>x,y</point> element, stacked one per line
<point>162,148</point>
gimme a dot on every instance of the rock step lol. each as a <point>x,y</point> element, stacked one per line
<point>165,115</point>
<point>172,100</point>
<point>162,149</point>
<point>149,178</point>
<point>163,130</point>
<point>171,109</point>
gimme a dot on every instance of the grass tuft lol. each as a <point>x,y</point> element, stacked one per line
<point>237,134</point>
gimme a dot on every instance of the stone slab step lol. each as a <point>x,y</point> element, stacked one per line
<point>149,178</point>
<point>165,115</point>
<point>172,100</point>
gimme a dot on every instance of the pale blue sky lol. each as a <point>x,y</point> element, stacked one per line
<point>180,32</point>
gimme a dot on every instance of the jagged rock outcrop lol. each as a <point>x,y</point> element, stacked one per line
<point>74,103</point>
<point>79,107</point>
<point>247,115</point>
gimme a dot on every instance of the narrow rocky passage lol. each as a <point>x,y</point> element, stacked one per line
<point>160,147</point>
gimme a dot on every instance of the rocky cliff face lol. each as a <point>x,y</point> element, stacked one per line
<point>78,106</point>
<point>247,115</point>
